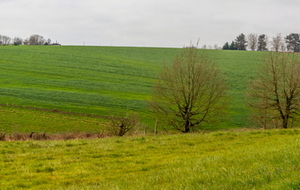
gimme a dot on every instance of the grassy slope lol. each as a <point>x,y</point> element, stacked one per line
<point>93,80</point>
<point>26,120</point>
<point>238,67</point>
<point>105,80</point>
<point>221,160</point>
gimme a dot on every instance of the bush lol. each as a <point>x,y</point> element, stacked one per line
<point>119,126</point>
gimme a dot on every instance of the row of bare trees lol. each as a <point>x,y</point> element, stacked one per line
<point>34,39</point>
<point>4,40</point>
<point>255,42</point>
<point>191,90</point>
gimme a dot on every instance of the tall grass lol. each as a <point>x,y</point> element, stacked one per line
<point>220,160</point>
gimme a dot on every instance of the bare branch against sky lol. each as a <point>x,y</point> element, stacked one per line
<point>147,22</point>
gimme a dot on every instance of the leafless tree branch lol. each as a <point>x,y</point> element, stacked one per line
<point>276,90</point>
<point>188,91</point>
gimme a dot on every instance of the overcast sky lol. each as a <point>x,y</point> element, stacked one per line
<point>155,23</point>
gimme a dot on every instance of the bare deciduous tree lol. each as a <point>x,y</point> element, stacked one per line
<point>277,43</point>
<point>276,90</point>
<point>189,91</point>
<point>252,41</point>
<point>216,46</point>
<point>5,40</point>
<point>26,41</point>
<point>36,40</point>
<point>49,41</point>
<point>119,126</point>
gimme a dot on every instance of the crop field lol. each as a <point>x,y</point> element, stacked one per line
<point>220,160</point>
<point>103,81</point>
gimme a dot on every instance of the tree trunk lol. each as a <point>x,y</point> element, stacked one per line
<point>285,122</point>
<point>121,130</point>
<point>187,126</point>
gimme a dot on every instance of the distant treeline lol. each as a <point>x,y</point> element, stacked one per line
<point>34,39</point>
<point>262,42</point>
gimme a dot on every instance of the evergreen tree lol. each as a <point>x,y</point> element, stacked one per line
<point>232,46</point>
<point>293,42</point>
<point>262,43</point>
<point>226,46</point>
<point>241,42</point>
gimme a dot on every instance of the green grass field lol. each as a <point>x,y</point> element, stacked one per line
<point>24,120</point>
<point>112,80</point>
<point>219,160</point>
<point>104,81</point>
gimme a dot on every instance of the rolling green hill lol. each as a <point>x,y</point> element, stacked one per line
<point>106,80</point>
<point>111,80</point>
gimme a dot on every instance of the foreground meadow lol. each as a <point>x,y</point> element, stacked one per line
<point>220,160</point>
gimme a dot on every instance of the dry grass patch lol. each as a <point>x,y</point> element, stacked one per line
<point>48,136</point>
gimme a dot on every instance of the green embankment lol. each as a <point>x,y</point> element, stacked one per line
<point>105,80</point>
<point>220,160</point>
